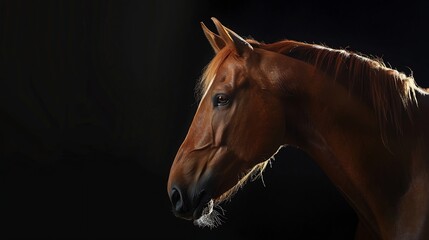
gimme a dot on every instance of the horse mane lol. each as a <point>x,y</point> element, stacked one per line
<point>390,93</point>
<point>209,72</point>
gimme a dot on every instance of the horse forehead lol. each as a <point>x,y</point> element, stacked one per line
<point>229,71</point>
<point>231,65</point>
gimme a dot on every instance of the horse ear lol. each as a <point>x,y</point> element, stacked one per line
<point>241,46</point>
<point>215,40</point>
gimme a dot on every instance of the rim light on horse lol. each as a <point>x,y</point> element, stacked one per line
<point>365,124</point>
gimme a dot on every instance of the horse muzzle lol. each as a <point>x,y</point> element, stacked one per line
<point>189,203</point>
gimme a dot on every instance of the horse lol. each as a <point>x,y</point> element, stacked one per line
<point>365,125</point>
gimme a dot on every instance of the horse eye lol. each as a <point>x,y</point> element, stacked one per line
<point>220,100</point>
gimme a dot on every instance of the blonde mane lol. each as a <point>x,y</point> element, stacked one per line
<point>390,93</point>
<point>209,72</point>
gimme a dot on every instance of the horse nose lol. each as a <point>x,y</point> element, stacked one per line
<point>178,201</point>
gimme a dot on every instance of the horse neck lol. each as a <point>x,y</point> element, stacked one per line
<point>342,134</point>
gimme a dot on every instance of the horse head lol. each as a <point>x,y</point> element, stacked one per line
<point>238,126</point>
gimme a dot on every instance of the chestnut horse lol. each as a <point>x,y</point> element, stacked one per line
<point>366,125</point>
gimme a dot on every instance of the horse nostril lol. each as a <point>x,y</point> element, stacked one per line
<point>177,200</point>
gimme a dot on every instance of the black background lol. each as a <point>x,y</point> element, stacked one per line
<point>96,97</point>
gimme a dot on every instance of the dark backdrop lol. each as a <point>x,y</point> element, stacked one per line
<point>96,97</point>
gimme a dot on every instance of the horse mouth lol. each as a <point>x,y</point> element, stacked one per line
<point>207,214</point>
<point>203,203</point>
<point>204,209</point>
<point>210,217</point>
